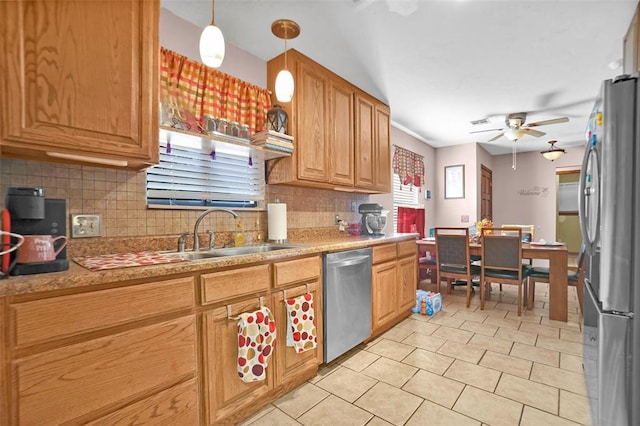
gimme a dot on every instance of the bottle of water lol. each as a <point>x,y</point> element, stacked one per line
<point>429,307</point>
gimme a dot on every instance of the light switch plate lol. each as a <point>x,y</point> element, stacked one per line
<point>86,225</point>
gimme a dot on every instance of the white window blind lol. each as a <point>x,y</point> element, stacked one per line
<point>216,175</point>
<point>403,196</point>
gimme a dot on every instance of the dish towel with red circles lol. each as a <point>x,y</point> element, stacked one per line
<point>301,328</point>
<point>256,340</point>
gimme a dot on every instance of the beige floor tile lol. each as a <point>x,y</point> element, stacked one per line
<point>389,371</point>
<point>429,361</point>
<point>556,377</point>
<point>396,334</point>
<point>535,354</point>
<point>560,345</point>
<point>334,411</point>
<point>534,417</point>
<point>488,408</point>
<point>490,311</point>
<point>430,343</point>
<point>525,316</point>
<point>507,364</point>
<point>324,370</point>
<point>509,323</point>
<point>389,403</point>
<point>359,360</point>
<point>476,327</point>
<point>275,417</point>
<point>517,336</point>
<point>457,350</point>
<point>474,375</point>
<point>418,326</point>
<point>529,393</point>
<point>541,330</point>
<point>452,321</point>
<point>494,344</point>
<point>347,384</point>
<point>472,314</point>
<point>571,362</point>
<point>300,399</point>
<point>256,416</point>
<point>571,335</point>
<point>391,349</point>
<point>460,336</point>
<point>434,415</point>
<point>575,407</point>
<point>461,307</point>
<point>435,388</point>
<point>507,305</point>
<point>572,324</point>
<point>377,421</point>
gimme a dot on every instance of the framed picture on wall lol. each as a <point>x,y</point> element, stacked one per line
<point>454,181</point>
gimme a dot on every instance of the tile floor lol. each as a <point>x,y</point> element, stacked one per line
<point>463,366</point>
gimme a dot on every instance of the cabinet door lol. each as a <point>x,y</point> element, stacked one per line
<point>293,366</point>
<point>383,294</point>
<point>383,149</point>
<point>227,398</point>
<point>364,142</point>
<point>341,129</point>
<point>80,78</point>
<point>407,284</point>
<point>311,122</point>
<point>631,46</point>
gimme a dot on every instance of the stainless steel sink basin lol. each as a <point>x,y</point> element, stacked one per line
<point>232,251</point>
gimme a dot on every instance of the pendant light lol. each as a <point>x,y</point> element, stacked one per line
<point>285,29</point>
<point>553,153</point>
<point>212,43</point>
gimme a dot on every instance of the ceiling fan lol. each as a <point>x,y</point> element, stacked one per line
<point>516,127</point>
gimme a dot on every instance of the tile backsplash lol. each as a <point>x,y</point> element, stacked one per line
<point>119,196</point>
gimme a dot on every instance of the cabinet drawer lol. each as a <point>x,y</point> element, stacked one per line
<point>57,317</point>
<point>296,271</point>
<point>384,252</point>
<point>236,282</point>
<point>407,248</point>
<point>58,386</point>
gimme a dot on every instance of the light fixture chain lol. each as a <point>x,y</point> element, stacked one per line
<point>213,12</point>
<point>513,160</point>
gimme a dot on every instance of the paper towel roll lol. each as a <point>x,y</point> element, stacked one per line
<point>277,222</point>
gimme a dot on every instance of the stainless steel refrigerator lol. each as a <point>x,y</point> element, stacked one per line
<point>609,206</point>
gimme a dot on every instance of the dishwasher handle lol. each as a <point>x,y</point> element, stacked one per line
<point>350,261</point>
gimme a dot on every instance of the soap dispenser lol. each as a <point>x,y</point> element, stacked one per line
<point>240,237</point>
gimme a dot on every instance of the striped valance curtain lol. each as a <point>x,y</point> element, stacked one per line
<point>199,90</point>
<point>409,166</point>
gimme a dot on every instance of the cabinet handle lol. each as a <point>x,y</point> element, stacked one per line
<point>229,309</point>
<point>284,292</point>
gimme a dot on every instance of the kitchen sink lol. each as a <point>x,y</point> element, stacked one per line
<point>232,251</point>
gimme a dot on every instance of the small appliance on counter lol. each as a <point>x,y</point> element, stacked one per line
<point>374,218</point>
<point>31,214</point>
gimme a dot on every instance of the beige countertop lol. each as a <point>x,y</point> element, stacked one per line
<point>78,276</point>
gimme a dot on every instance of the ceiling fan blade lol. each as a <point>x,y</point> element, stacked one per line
<point>546,122</point>
<point>533,132</point>
<point>496,137</point>
<point>487,130</point>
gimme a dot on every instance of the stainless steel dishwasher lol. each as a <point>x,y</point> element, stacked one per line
<point>347,300</point>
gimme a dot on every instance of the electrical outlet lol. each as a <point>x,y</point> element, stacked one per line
<point>86,225</point>
<point>353,207</point>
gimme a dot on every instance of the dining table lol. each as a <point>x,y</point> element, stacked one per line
<point>558,257</point>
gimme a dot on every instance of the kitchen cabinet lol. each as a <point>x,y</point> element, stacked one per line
<point>119,353</point>
<point>341,133</point>
<point>79,81</point>
<point>394,284</point>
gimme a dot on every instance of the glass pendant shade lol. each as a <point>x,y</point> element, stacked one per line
<point>284,86</point>
<point>212,46</point>
<point>553,153</point>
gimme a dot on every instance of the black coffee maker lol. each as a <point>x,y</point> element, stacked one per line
<point>33,214</point>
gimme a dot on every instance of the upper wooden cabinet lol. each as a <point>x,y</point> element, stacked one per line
<point>79,81</point>
<point>631,46</point>
<point>341,133</point>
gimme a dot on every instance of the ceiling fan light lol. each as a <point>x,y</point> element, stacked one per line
<point>553,153</point>
<point>212,46</point>
<point>514,134</point>
<point>284,86</point>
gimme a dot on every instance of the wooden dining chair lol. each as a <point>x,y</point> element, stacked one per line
<point>452,258</point>
<point>574,278</point>
<point>502,261</point>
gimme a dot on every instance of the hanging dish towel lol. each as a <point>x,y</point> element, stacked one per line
<point>301,328</point>
<point>256,340</point>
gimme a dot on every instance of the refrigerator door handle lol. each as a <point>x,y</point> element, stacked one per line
<point>587,195</point>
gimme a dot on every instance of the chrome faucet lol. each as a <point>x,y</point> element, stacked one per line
<point>196,239</point>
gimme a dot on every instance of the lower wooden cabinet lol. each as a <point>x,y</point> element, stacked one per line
<point>383,286</point>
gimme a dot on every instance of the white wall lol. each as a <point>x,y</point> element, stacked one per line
<point>528,194</point>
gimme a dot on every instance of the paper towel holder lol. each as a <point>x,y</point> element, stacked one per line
<point>284,241</point>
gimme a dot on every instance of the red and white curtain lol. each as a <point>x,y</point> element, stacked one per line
<point>409,166</point>
<point>409,217</point>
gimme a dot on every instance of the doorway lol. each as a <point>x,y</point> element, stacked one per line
<point>567,221</point>
<point>486,193</point>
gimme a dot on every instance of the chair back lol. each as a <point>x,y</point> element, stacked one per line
<point>502,249</point>
<point>452,247</point>
<point>580,259</point>
<point>527,230</point>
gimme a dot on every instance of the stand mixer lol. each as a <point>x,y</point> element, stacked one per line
<point>374,218</point>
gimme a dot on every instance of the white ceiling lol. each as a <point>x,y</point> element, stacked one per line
<point>440,64</point>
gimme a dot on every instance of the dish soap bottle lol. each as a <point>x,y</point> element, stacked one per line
<point>240,237</point>
<point>259,233</point>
